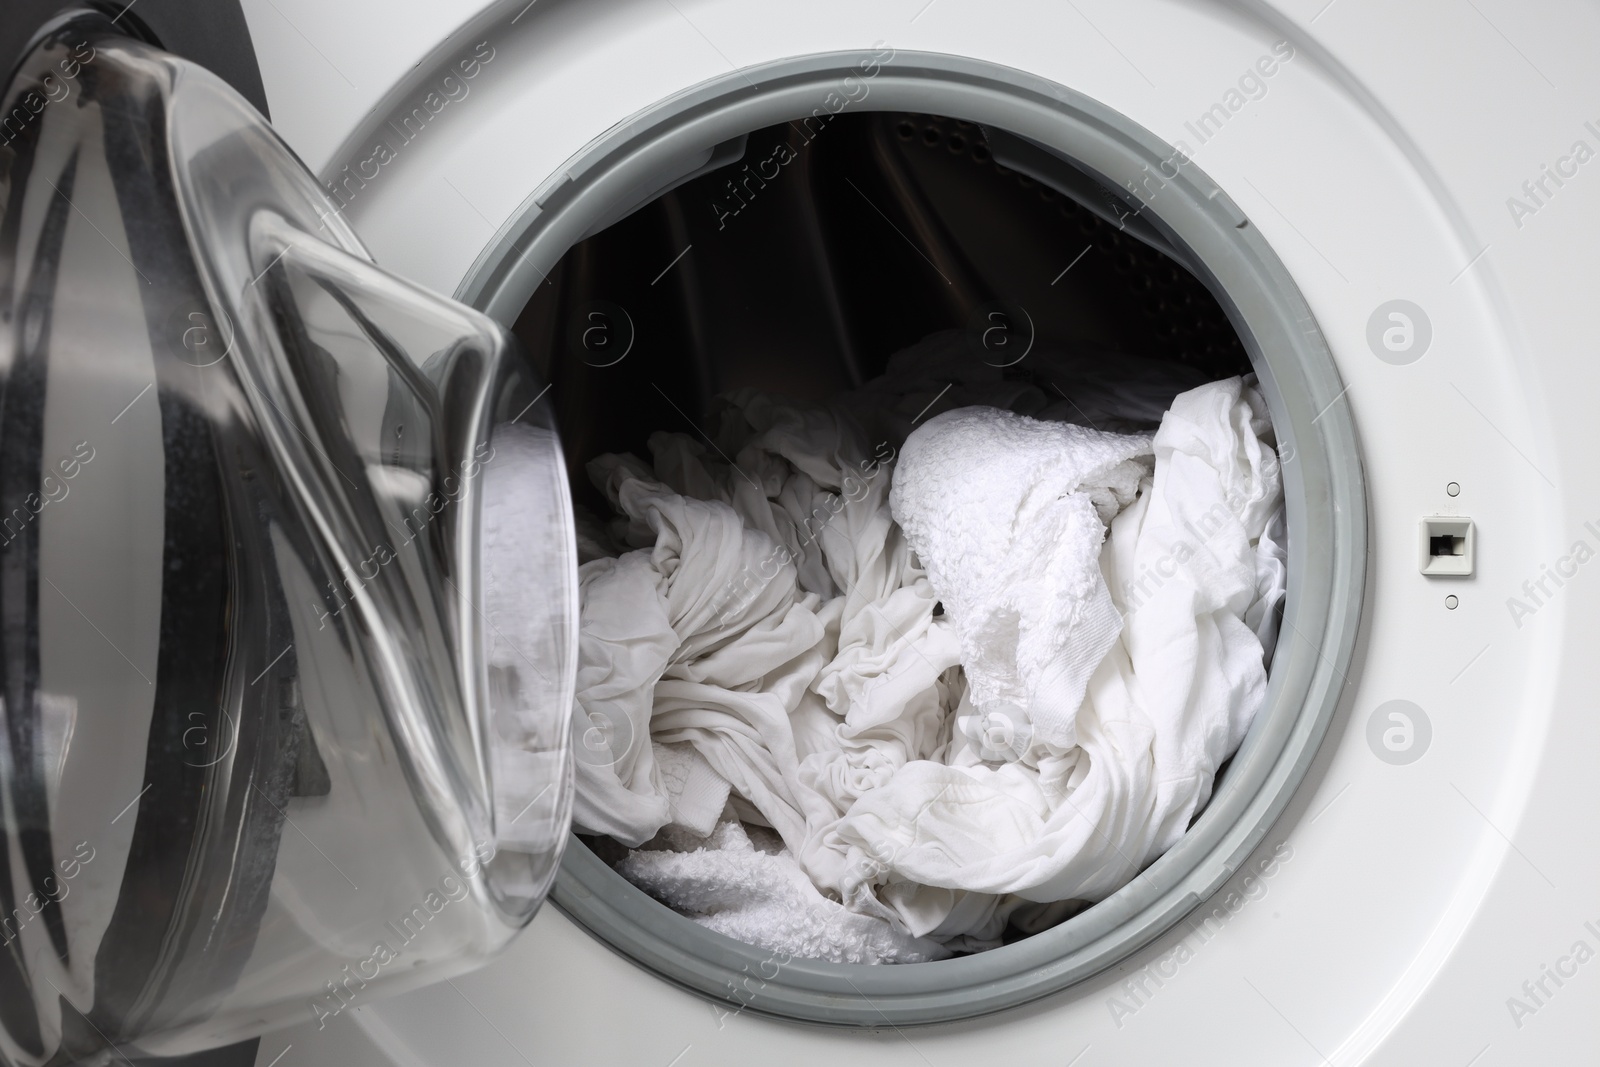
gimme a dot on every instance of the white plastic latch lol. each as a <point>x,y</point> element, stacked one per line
<point>1446,546</point>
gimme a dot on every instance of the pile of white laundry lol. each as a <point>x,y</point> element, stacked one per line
<point>866,701</point>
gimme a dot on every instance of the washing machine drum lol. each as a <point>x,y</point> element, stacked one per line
<point>249,732</point>
<point>985,237</point>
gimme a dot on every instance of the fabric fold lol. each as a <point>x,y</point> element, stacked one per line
<point>974,677</point>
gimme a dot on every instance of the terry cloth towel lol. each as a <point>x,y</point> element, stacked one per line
<point>522,489</point>
<point>1190,567</point>
<point>761,896</point>
<point>1007,514</point>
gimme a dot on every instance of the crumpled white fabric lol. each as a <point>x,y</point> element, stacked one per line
<point>801,703</point>
<point>769,627</point>
<point>1187,565</point>
<point>1008,513</point>
<point>674,647</point>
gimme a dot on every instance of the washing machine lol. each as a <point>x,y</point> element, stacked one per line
<point>583,221</point>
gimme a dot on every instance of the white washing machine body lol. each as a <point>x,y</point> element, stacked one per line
<point>1424,896</point>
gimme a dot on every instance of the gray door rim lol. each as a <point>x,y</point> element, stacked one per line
<point>1324,488</point>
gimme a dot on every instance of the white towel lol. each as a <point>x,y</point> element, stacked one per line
<point>523,491</point>
<point>1187,564</point>
<point>763,898</point>
<point>772,619</point>
<point>1008,514</point>
<point>696,794</point>
<point>674,645</point>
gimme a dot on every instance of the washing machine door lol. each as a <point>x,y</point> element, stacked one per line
<point>278,736</point>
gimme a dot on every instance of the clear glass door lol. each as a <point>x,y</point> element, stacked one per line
<point>287,583</point>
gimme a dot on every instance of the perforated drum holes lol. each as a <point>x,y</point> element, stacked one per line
<point>1399,332</point>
